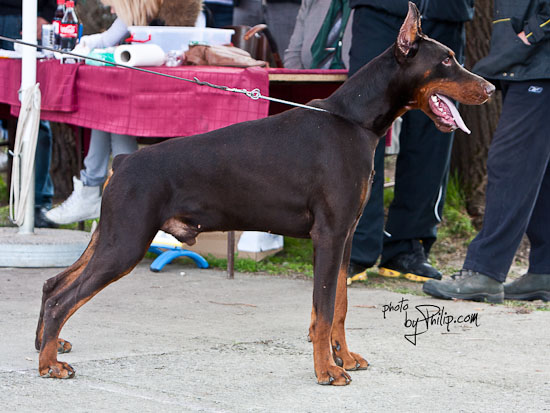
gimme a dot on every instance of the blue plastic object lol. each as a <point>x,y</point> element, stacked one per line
<point>167,253</point>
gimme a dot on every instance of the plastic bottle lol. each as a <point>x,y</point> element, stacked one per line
<point>57,17</point>
<point>68,30</point>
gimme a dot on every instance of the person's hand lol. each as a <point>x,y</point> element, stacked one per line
<point>81,49</point>
<point>40,21</point>
<point>524,38</point>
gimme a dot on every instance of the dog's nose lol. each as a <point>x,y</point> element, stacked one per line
<point>489,89</point>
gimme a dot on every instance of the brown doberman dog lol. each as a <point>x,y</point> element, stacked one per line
<point>302,173</point>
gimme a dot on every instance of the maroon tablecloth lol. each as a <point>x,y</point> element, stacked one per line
<point>129,102</point>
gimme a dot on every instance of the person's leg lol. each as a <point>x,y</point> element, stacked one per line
<point>516,167</point>
<point>538,230</point>
<point>43,185</point>
<point>85,200</point>
<point>123,144</point>
<point>535,284</point>
<point>96,161</point>
<point>372,33</point>
<point>421,177</point>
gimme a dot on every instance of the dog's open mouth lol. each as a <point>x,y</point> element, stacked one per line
<point>447,113</point>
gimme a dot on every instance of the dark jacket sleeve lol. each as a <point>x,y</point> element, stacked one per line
<point>537,26</point>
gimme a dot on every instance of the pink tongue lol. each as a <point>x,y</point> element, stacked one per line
<point>456,115</point>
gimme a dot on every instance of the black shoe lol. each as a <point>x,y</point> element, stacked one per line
<point>40,219</point>
<point>356,272</point>
<point>466,285</point>
<point>412,265</point>
<point>529,287</point>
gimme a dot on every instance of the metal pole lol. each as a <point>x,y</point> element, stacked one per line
<point>28,79</point>
<point>231,255</point>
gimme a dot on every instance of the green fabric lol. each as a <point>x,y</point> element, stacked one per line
<point>319,48</point>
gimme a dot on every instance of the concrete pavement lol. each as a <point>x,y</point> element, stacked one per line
<point>190,340</point>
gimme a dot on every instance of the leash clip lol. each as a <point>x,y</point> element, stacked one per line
<point>254,94</point>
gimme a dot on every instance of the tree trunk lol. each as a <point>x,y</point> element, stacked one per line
<point>469,156</point>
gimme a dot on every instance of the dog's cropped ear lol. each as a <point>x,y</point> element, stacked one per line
<point>409,33</point>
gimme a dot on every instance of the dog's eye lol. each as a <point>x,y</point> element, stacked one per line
<point>447,61</point>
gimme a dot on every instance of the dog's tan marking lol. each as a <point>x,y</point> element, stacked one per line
<point>341,354</point>
<point>326,370</point>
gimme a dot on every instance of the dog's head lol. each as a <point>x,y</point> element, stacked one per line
<point>437,76</point>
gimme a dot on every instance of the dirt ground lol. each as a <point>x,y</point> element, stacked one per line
<point>191,340</point>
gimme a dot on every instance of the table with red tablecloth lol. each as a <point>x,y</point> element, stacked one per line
<point>129,102</point>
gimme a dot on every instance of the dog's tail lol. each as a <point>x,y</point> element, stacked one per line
<point>116,163</point>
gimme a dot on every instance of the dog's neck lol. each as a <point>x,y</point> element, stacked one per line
<point>369,98</point>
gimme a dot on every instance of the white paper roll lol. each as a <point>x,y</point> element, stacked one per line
<point>139,55</point>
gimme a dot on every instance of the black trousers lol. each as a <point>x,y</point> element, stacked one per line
<point>518,186</point>
<point>424,158</point>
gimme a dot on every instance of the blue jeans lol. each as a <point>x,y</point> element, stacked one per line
<point>10,26</point>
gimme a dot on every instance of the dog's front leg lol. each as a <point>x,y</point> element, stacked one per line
<point>328,251</point>
<point>342,356</point>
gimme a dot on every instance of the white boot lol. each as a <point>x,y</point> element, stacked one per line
<point>84,203</point>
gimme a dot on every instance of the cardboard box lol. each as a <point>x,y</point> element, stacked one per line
<point>215,243</point>
<point>255,245</point>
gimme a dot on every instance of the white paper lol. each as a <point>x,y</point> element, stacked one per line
<point>139,55</point>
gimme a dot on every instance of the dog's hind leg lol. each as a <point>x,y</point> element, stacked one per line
<point>342,356</point>
<point>328,250</point>
<point>59,283</point>
<point>105,266</point>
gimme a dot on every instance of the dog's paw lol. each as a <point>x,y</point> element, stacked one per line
<point>350,361</point>
<point>335,376</point>
<point>59,370</point>
<point>63,346</point>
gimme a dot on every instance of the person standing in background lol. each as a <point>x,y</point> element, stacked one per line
<point>517,199</point>
<point>321,37</point>
<point>423,162</point>
<point>278,15</point>
<point>10,26</point>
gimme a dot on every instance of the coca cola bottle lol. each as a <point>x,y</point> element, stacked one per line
<point>57,17</point>
<point>68,29</point>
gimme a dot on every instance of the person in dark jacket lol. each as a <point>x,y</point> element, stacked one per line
<point>11,26</point>
<point>518,187</point>
<point>424,158</point>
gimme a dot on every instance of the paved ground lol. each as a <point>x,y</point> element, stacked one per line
<point>199,342</point>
